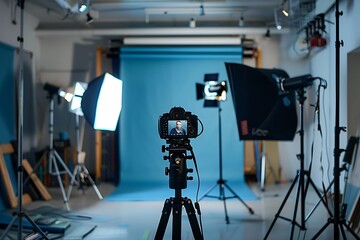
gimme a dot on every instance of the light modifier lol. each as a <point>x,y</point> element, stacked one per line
<point>102,102</point>
<point>78,91</point>
<point>212,90</point>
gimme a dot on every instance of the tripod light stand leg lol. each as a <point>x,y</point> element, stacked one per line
<point>209,191</point>
<point>239,198</point>
<point>91,181</point>
<point>165,215</point>
<point>37,228</point>
<point>61,186</point>
<point>320,200</point>
<point>343,234</point>
<point>293,222</point>
<point>75,173</point>
<point>281,206</point>
<point>321,197</point>
<point>8,227</point>
<point>321,230</point>
<point>351,231</point>
<point>223,198</point>
<point>62,163</point>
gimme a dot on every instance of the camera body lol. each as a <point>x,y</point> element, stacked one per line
<point>178,124</point>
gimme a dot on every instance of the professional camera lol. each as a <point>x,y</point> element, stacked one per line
<point>178,124</point>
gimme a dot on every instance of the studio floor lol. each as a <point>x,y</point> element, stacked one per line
<point>139,219</point>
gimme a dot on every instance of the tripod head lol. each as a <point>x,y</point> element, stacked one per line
<point>177,170</point>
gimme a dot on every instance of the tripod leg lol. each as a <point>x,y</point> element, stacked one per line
<point>8,227</point>
<point>37,228</point>
<point>320,200</point>
<point>208,191</point>
<point>281,206</point>
<point>240,199</point>
<point>61,185</point>
<point>223,198</point>
<point>351,231</point>
<point>192,219</point>
<point>91,181</point>
<point>342,231</point>
<point>76,169</point>
<point>293,222</point>
<point>163,220</point>
<point>321,230</point>
<point>62,163</point>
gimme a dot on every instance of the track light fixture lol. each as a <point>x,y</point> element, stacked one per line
<point>83,5</point>
<point>284,8</point>
<point>192,23</point>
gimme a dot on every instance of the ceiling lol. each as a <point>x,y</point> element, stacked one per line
<point>160,13</point>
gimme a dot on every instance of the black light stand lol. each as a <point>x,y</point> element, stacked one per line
<point>221,182</point>
<point>300,179</point>
<point>20,214</point>
<point>337,219</point>
<point>178,180</point>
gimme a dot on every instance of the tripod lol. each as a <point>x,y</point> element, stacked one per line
<point>80,170</point>
<point>20,214</point>
<point>178,180</point>
<point>300,179</point>
<point>222,183</point>
<point>337,219</point>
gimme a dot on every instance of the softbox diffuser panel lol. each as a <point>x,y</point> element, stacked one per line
<point>263,112</point>
<point>102,102</point>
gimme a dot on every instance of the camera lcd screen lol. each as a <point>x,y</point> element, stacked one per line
<point>177,128</point>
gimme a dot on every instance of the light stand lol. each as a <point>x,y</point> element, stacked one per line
<point>54,157</point>
<point>80,170</point>
<point>221,182</point>
<point>300,179</point>
<point>20,170</point>
<point>338,220</point>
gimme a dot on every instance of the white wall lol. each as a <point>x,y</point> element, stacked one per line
<point>323,65</point>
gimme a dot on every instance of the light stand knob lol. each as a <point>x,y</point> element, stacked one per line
<point>190,170</point>
<point>167,170</point>
<point>166,157</point>
<point>189,178</point>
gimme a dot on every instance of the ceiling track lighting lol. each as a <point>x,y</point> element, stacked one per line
<point>202,9</point>
<point>192,23</point>
<point>285,8</point>
<point>83,6</point>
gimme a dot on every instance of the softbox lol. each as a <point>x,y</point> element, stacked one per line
<point>263,111</point>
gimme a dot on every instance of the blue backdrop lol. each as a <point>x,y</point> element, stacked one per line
<point>155,79</point>
<point>7,107</point>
